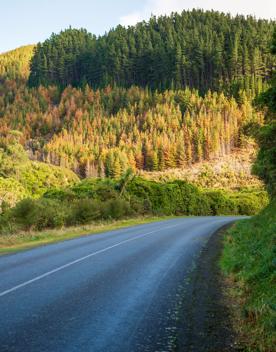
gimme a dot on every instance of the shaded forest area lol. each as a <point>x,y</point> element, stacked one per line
<point>195,49</point>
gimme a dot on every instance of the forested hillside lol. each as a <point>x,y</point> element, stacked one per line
<point>196,49</point>
<point>15,64</point>
<point>195,76</point>
<point>105,132</point>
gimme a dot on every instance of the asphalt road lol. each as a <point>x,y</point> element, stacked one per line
<point>118,291</point>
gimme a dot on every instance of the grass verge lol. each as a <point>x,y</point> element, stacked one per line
<point>27,240</point>
<point>249,264</point>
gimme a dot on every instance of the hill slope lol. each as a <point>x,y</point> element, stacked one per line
<point>105,132</point>
<point>21,178</point>
<point>15,64</point>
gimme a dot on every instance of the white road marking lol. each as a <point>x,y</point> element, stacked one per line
<point>48,273</point>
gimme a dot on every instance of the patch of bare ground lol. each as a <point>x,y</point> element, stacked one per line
<point>232,171</point>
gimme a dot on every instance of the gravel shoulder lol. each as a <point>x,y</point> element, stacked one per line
<point>205,320</point>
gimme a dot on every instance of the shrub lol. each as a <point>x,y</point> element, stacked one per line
<point>177,197</point>
<point>100,189</point>
<point>25,213</point>
<point>11,191</point>
<point>38,214</point>
<point>6,226</point>
<point>221,204</point>
<point>116,209</point>
<point>50,214</point>
<point>249,203</point>
<point>83,211</point>
<point>60,194</point>
<point>189,200</point>
<point>140,206</point>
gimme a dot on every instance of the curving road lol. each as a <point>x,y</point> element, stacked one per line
<point>118,291</point>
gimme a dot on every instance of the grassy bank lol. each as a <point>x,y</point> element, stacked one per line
<point>30,239</point>
<point>249,262</point>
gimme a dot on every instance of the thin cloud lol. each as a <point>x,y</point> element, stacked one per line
<point>263,9</point>
<point>162,7</point>
<point>131,19</point>
<point>152,7</point>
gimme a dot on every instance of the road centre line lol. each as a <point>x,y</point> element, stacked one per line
<point>48,273</point>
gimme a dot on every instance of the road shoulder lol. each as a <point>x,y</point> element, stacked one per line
<point>28,240</point>
<point>205,321</point>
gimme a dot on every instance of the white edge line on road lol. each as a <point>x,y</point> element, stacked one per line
<point>48,273</point>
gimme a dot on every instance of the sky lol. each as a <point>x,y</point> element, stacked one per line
<point>30,21</point>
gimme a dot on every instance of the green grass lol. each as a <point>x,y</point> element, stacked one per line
<point>27,240</point>
<point>249,260</point>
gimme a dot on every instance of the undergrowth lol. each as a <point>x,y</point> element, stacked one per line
<point>249,258</point>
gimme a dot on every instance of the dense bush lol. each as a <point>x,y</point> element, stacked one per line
<point>84,211</point>
<point>38,214</point>
<point>249,203</point>
<point>265,164</point>
<point>97,199</point>
<point>176,197</point>
<point>97,189</point>
<point>11,191</point>
<point>30,214</point>
<point>116,209</point>
<point>21,177</point>
<point>221,204</point>
<point>242,202</point>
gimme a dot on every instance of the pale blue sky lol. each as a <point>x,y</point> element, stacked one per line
<point>29,21</point>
